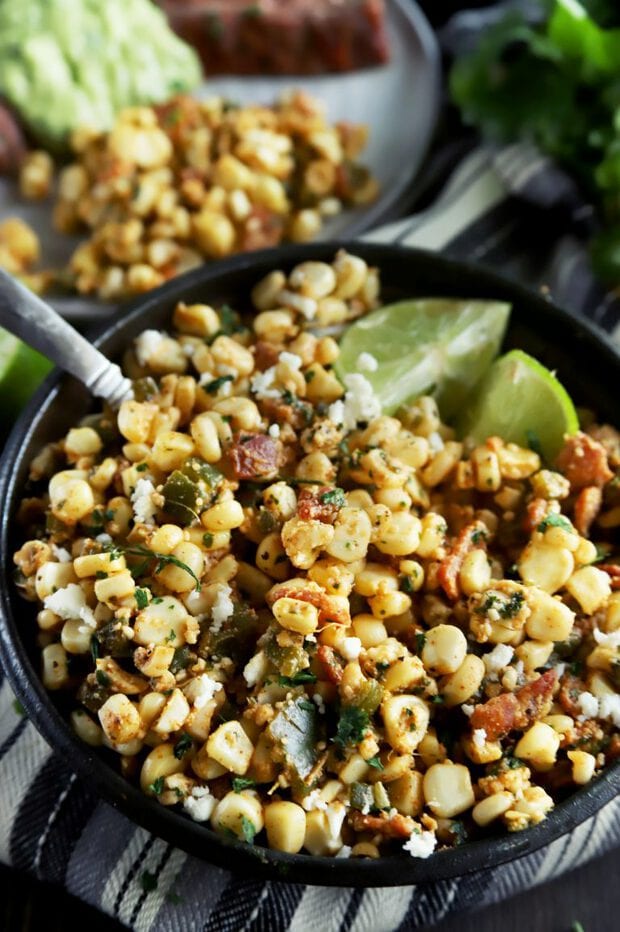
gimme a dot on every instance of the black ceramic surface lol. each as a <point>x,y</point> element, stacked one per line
<point>586,362</point>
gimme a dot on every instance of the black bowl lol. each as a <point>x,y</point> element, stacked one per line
<point>587,363</point>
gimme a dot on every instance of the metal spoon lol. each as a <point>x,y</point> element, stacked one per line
<point>26,316</point>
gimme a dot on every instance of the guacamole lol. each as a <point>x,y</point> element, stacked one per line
<point>69,63</point>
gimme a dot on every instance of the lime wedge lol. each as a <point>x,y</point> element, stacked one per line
<point>521,401</point>
<point>438,346</point>
<point>21,371</point>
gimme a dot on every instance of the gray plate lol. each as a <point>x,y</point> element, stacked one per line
<point>399,101</point>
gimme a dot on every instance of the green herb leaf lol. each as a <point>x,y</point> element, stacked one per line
<point>420,641</point>
<point>554,520</point>
<point>297,680</point>
<point>334,497</point>
<point>157,786</point>
<point>212,387</point>
<point>182,746</point>
<point>207,540</point>
<point>94,647</point>
<point>249,830</point>
<point>102,678</point>
<point>351,726</point>
<point>242,783</point>
<point>375,762</point>
<point>142,598</point>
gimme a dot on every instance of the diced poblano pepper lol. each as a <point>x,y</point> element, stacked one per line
<point>295,733</point>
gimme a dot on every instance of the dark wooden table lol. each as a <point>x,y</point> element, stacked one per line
<point>587,899</point>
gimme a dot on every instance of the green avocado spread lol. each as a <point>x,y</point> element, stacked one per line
<point>69,63</point>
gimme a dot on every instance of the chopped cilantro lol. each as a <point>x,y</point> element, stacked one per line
<point>420,641</point>
<point>102,678</point>
<point>182,746</point>
<point>94,647</point>
<point>172,635</point>
<point>575,668</point>
<point>157,786</point>
<point>438,699</point>
<point>242,783</point>
<point>142,598</point>
<point>142,467</point>
<point>554,520</point>
<point>352,724</point>
<point>406,584</point>
<point>297,680</point>
<point>512,607</point>
<point>100,574</point>
<point>214,386</point>
<point>306,705</point>
<point>309,375</point>
<point>334,497</point>
<point>375,762</point>
<point>207,540</point>
<point>478,536</point>
<point>249,830</point>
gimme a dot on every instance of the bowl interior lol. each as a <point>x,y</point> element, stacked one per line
<point>586,363</point>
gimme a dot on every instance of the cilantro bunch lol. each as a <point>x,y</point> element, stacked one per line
<point>556,84</point>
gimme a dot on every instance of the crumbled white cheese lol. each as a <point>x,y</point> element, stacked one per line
<point>559,670</point>
<point>479,737</point>
<point>103,539</point>
<point>70,603</point>
<point>345,852</point>
<point>223,607</point>
<point>420,844</point>
<point>313,801</point>
<point>319,703</point>
<point>609,640</point>
<point>62,555</point>
<point>144,509</point>
<point>351,648</point>
<point>360,401</point>
<point>201,690</point>
<point>366,362</point>
<point>588,705</point>
<point>200,804</point>
<point>292,360</point>
<point>609,708</point>
<point>262,384</point>
<point>255,668</point>
<point>274,431</point>
<point>467,709</point>
<point>335,412</point>
<point>435,442</point>
<point>146,345</point>
<point>335,813</point>
<point>498,658</point>
<point>306,306</point>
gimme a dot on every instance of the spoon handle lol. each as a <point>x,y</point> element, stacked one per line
<point>26,316</point>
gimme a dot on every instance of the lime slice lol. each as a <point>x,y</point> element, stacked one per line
<point>523,402</point>
<point>21,371</point>
<point>438,346</point>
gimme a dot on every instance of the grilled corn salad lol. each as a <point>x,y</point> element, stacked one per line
<point>312,625</point>
<point>172,185</point>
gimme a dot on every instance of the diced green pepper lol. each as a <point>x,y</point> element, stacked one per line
<point>289,660</point>
<point>181,496</point>
<point>361,797</point>
<point>295,733</point>
<point>112,642</point>
<point>235,639</point>
<point>369,696</point>
<point>199,471</point>
<point>145,389</point>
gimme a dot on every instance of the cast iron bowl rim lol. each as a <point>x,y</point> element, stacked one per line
<point>177,829</point>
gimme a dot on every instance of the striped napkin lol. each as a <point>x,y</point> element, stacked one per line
<point>511,209</point>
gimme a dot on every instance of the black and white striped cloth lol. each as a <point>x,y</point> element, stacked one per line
<point>510,209</point>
